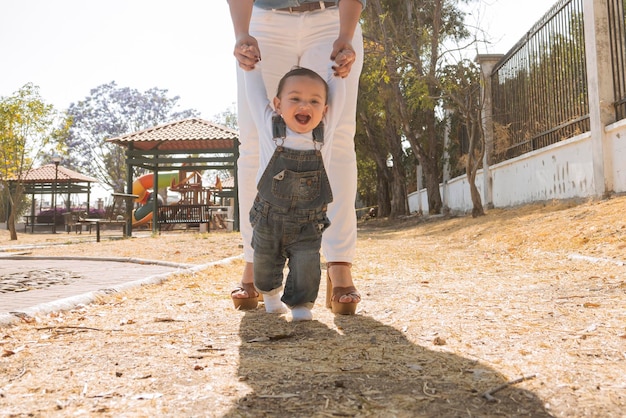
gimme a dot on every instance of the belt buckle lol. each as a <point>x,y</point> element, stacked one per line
<point>309,7</point>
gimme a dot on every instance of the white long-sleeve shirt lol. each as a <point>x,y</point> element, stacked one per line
<point>262,113</point>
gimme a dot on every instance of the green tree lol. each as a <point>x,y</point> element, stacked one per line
<point>109,112</point>
<point>29,128</point>
<point>411,35</point>
<point>460,85</point>
<point>379,138</point>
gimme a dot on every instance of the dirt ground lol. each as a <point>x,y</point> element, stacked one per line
<point>518,313</point>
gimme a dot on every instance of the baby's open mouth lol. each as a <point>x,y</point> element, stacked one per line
<point>303,119</point>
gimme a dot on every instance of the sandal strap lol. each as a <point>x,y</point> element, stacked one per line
<point>338,292</point>
<point>329,264</point>
<point>248,288</point>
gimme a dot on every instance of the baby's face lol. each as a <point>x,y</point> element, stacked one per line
<point>302,103</point>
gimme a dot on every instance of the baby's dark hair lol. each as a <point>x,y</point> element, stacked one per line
<point>301,71</point>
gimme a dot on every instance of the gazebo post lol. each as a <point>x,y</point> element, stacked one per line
<point>56,159</point>
<point>32,214</point>
<point>155,195</point>
<point>129,203</point>
<point>88,198</point>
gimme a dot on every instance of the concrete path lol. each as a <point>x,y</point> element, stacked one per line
<point>66,278</point>
<point>30,285</point>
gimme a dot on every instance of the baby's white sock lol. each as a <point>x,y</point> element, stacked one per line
<point>273,304</point>
<point>301,313</point>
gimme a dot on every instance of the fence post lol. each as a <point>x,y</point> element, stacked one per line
<point>487,62</point>
<point>600,90</point>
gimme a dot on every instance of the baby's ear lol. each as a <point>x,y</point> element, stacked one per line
<point>277,105</point>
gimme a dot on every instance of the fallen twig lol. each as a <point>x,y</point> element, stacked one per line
<point>68,327</point>
<point>425,388</point>
<point>489,394</point>
<point>167,320</point>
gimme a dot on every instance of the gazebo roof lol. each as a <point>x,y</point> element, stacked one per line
<point>49,173</point>
<point>185,135</point>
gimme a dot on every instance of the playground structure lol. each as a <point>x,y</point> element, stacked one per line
<point>193,206</point>
<point>190,145</point>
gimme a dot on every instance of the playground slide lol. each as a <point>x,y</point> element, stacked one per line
<point>142,187</point>
<point>143,214</point>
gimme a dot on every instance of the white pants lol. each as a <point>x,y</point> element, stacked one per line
<point>305,40</point>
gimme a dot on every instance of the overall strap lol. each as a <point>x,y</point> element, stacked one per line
<point>318,136</point>
<point>279,133</point>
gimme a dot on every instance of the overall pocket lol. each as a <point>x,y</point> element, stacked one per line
<point>303,185</point>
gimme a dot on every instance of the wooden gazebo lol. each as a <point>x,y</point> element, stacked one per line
<point>55,180</point>
<point>186,145</point>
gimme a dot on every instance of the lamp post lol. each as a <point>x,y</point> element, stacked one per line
<point>56,159</point>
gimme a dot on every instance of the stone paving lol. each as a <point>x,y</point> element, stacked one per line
<point>26,280</point>
<point>25,283</point>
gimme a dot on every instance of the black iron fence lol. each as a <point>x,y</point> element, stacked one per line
<point>540,86</point>
<point>617,33</point>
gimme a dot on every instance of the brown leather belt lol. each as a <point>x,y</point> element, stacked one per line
<point>309,7</point>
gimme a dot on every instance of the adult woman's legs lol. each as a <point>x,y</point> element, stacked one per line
<point>309,45</point>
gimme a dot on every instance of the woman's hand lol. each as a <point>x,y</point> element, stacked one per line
<point>344,56</point>
<point>247,52</point>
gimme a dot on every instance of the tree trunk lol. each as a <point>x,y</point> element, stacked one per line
<point>474,159</point>
<point>431,182</point>
<point>399,201</point>
<point>477,204</point>
<point>399,196</point>
<point>383,194</point>
<point>11,224</point>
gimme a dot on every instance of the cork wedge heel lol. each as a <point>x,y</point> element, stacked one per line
<point>333,294</point>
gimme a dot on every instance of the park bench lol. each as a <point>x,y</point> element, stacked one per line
<point>115,215</point>
<point>196,215</point>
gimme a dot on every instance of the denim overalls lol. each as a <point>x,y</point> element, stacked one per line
<point>288,217</point>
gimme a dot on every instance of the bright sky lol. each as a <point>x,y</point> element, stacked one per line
<point>68,47</point>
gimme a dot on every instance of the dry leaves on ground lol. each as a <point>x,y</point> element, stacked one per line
<point>519,313</point>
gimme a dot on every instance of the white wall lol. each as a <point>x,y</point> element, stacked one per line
<point>560,171</point>
<point>616,143</point>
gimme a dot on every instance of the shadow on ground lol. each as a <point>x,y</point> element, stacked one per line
<point>362,368</point>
